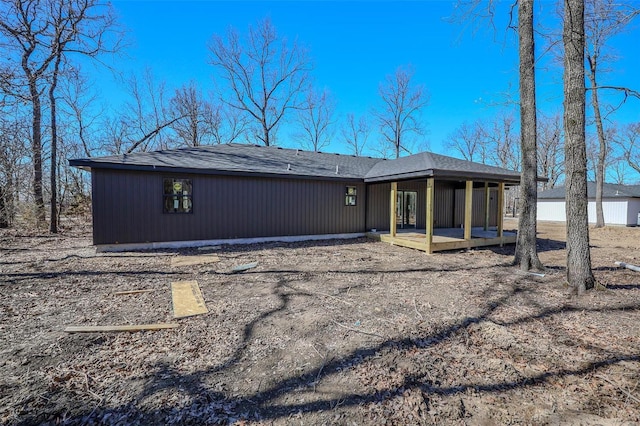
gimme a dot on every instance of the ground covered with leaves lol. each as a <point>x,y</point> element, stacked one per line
<point>339,332</point>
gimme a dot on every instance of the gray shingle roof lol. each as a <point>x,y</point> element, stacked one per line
<point>243,159</point>
<point>428,164</point>
<point>610,190</point>
<point>239,159</point>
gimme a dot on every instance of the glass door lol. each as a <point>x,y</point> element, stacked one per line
<point>406,203</point>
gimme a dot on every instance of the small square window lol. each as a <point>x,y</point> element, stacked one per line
<point>350,196</point>
<point>177,195</point>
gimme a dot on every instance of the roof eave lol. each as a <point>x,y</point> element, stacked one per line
<point>90,165</point>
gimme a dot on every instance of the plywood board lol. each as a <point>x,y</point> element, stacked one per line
<point>187,299</point>
<point>194,260</point>
<point>103,328</point>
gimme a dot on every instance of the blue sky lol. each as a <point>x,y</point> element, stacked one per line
<point>466,67</point>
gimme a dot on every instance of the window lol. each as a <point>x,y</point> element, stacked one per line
<point>350,196</point>
<point>177,196</point>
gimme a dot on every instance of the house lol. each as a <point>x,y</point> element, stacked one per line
<point>620,204</point>
<point>239,193</point>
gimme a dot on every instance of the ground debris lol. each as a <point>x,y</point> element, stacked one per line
<point>375,335</point>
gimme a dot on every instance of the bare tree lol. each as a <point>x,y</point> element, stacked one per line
<point>227,124</point>
<point>579,274</point>
<point>316,120</point>
<point>14,135</point>
<point>502,137</point>
<point>399,115</point>
<point>469,141</point>
<point>603,20</point>
<point>194,129</point>
<point>355,133</point>
<point>265,75</point>
<point>144,120</point>
<point>550,147</point>
<point>526,255</point>
<point>629,143</point>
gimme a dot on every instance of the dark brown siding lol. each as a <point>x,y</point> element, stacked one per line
<point>127,208</point>
<point>477,218</point>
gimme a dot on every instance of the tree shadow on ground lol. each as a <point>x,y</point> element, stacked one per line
<point>209,405</point>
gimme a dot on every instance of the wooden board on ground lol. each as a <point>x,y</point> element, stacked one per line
<point>242,268</point>
<point>194,260</point>
<point>187,299</point>
<point>103,328</point>
<point>122,293</point>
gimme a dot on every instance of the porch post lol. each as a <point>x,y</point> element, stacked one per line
<point>487,204</point>
<point>392,212</point>
<point>500,212</point>
<point>468,209</point>
<point>429,222</point>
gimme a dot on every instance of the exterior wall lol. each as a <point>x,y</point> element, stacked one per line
<point>633,210</point>
<point>616,212</point>
<point>128,208</point>
<point>477,207</point>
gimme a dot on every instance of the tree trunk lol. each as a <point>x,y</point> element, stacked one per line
<point>602,153</point>
<point>53,227</point>
<point>36,149</point>
<point>526,253</point>
<point>4,213</point>
<point>579,274</point>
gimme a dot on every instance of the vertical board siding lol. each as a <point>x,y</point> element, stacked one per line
<point>128,208</point>
<point>478,203</point>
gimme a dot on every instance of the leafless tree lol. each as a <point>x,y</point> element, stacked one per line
<point>14,134</point>
<point>469,141</point>
<point>399,115</point>
<point>502,137</point>
<point>266,75</point>
<point>143,120</point>
<point>526,255</point>
<point>628,140</point>
<point>316,120</point>
<point>579,274</point>
<point>550,148</point>
<point>604,19</point>
<point>355,133</point>
<point>194,128</point>
<point>40,35</point>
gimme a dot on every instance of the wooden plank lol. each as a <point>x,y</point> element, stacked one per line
<point>194,260</point>
<point>487,205</point>
<point>121,293</point>
<point>187,299</point>
<point>429,230</point>
<point>109,328</point>
<point>245,267</point>
<point>392,213</point>
<point>468,209</point>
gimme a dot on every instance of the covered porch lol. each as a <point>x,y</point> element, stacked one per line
<point>433,203</point>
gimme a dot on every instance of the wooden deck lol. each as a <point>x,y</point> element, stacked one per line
<point>445,238</point>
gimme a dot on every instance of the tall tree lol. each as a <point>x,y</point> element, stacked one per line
<point>526,255</point>
<point>398,116</point>
<point>25,29</point>
<point>579,274</point>
<point>266,75</point>
<point>193,129</point>
<point>550,146</point>
<point>629,143</point>
<point>355,133</point>
<point>468,140</point>
<point>603,20</point>
<point>316,120</point>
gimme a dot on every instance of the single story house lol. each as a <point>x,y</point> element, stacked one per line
<point>240,193</point>
<point>620,204</point>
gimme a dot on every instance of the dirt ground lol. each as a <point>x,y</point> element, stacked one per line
<point>339,332</point>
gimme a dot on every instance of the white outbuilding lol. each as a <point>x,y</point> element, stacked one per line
<point>620,204</point>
